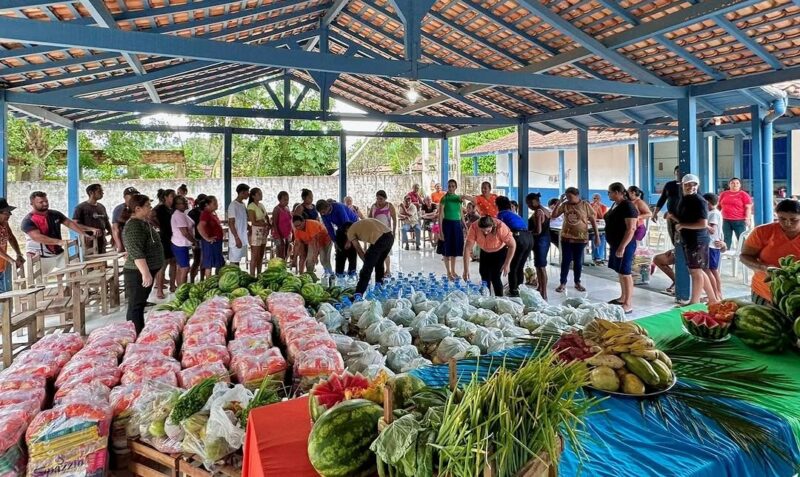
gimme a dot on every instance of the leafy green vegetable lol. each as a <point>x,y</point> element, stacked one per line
<point>193,400</point>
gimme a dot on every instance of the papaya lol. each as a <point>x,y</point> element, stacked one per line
<point>642,369</point>
<point>604,378</point>
<point>632,385</point>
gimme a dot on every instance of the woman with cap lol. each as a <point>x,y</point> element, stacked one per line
<point>497,246</point>
<point>7,237</point>
<point>539,225</point>
<point>691,217</point>
<point>522,238</point>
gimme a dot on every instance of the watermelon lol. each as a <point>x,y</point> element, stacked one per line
<point>182,293</point>
<point>245,279</point>
<point>255,288</point>
<point>291,284</point>
<point>339,442</point>
<point>228,268</point>
<point>313,293</point>
<point>276,264</point>
<point>797,328</point>
<point>240,292</point>
<point>329,392</point>
<point>403,387</point>
<point>229,281</point>
<point>189,306</point>
<point>762,328</point>
<point>196,292</point>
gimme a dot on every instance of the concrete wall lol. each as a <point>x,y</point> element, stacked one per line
<point>361,188</point>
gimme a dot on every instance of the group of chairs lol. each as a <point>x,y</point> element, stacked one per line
<point>42,302</point>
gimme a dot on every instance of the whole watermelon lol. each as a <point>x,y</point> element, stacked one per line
<point>212,293</point>
<point>313,293</point>
<point>291,284</point>
<point>182,293</point>
<point>197,292</point>
<point>229,281</point>
<point>240,292</point>
<point>339,442</point>
<point>228,268</point>
<point>255,288</point>
<point>245,279</point>
<point>276,264</point>
<point>189,306</point>
<point>762,328</point>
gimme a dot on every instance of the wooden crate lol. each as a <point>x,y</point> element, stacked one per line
<point>148,462</point>
<point>194,468</point>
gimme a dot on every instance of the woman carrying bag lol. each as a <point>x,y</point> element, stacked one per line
<point>497,246</point>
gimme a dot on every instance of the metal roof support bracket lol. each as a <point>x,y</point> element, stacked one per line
<point>411,13</point>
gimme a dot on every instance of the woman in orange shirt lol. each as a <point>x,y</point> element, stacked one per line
<point>497,246</point>
<point>314,237</point>
<point>486,201</point>
<point>768,243</point>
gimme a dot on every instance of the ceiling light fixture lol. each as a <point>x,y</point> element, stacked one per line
<point>413,94</point>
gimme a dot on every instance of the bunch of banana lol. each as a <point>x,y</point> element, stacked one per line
<point>784,283</point>
<point>618,337</point>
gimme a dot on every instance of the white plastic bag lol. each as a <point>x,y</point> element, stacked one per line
<point>401,357</point>
<point>394,337</point>
<point>531,298</point>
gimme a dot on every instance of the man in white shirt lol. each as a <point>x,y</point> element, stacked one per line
<point>717,244</point>
<point>237,225</point>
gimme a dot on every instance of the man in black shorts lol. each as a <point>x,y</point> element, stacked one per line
<point>691,216</point>
<point>670,195</point>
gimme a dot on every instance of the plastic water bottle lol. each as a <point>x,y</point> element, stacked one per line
<point>325,280</point>
<point>484,289</point>
<point>346,303</point>
<point>352,279</point>
<point>358,297</point>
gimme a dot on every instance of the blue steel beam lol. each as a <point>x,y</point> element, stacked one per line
<point>130,127</point>
<point>748,81</point>
<point>444,162</point>
<point>749,43</point>
<point>523,155</point>
<point>592,44</point>
<point>4,147</point>
<point>192,110</point>
<point>342,166</point>
<point>333,10</point>
<point>167,45</point>
<point>227,168</point>
<point>44,115</point>
<point>583,162</point>
<point>73,170</point>
<point>756,160</point>
<point>453,94</point>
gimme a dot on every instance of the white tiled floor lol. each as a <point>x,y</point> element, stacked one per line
<point>645,302</point>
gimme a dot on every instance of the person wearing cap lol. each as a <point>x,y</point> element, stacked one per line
<point>7,238</point>
<point>691,218</point>
<point>237,225</point>
<point>42,228</point>
<point>119,216</point>
<point>92,213</point>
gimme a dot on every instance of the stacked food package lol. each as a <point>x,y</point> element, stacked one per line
<point>204,352</point>
<point>253,357</point>
<point>71,438</point>
<point>309,346</point>
<point>152,356</point>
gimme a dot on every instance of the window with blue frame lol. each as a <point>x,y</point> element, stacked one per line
<point>725,167</point>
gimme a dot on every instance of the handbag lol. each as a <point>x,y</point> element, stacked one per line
<point>640,232</point>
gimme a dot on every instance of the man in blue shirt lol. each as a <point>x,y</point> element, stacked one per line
<point>519,229</point>
<point>335,215</point>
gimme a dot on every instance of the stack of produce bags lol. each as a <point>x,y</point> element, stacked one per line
<point>204,352</point>
<point>253,357</point>
<point>23,393</point>
<point>152,356</point>
<point>309,345</point>
<point>72,437</point>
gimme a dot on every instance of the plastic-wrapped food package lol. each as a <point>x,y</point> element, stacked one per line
<point>154,316</point>
<point>224,433</point>
<point>191,376</point>
<point>101,374</point>
<point>247,302</point>
<point>434,333</point>
<point>77,366</point>
<point>574,316</point>
<point>324,309</point>
<point>64,342</point>
<point>123,333</point>
<point>373,315</point>
<point>361,307</point>
<point>253,368</point>
<point>423,306</point>
<point>318,362</point>
<point>65,416</point>
<point>373,371</point>
<point>373,334</point>
<point>344,343</point>
<point>400,357</point>
<point>216,303</point>
<point>402,316</point>
<point>211,316</point>
<point>92,391</point>
<point>359,361</point>
<point>141,361</point>
<point>553,310</point>
<point>484,338</point>
<point>602,310</point>
<point>388,305</point>
<point>463,328</point>
<point>480,316</point>
<point>394,337</point>
<point>246,343</point>
<point>202,340</point>
<point>506,305</point>
<point>575,302</point>
<point>46,364</point>
<point>166,349</point>
<point>416,363</point>
<point>13,423</point>
<point>204,354</point>
<point>487,303</point>
<point>249,315</point>
<point>531,298</point>
<point>21,382</point>
<point>150,413</point>
<point>159,333</point>
<point>206,327</point>
<point>299,328</point>
<point>446,307</point>
<point>106,346</point>
<point>305,343</point>
<point>423,319</point>
<point>21,396</point>
<point>122,398</point>
<point>455,348</point>
<point>281,301</point>
<point>533,321</point>
<point>164,373</point>
<point>252,326</point>
<point>514,332</point>
<point>499,322</point>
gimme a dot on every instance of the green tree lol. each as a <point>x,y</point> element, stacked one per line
<point>33,147</point>
<point>401,153</point>
<point>486,164</point>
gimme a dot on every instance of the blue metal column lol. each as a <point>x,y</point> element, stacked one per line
<point>73,171</point>
<point>562,172</point>
<point>475,166</point>
<point>445,162</point>
<point>756,171</point>
<point>688,164</point>
<point>510,162</point>
<point>767,171</point>
<point>789,164</point>
<point>715,163</point>
<point>342,166</point>
<point>3,144</point>
<point>227,168</point>
<point>738,156</point>
<point>703,168</point>
<point>643,147</point>
<point>522,179</point>
<point>583,163</point>
<point>631,165</point>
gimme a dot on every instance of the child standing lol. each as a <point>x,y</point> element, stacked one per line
<point>717,245</point>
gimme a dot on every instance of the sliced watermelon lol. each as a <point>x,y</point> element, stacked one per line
<point>328,393</point>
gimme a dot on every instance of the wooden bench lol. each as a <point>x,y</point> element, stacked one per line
<point>12,321</point>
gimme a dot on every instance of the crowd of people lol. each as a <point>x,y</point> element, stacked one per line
<point>180,238</point>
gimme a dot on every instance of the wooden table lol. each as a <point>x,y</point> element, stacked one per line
<point>11,321</point>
